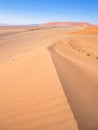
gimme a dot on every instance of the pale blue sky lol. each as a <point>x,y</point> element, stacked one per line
<point>41,11</point>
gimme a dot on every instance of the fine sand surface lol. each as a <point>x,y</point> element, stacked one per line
<point>92,30</point>
<point>17,40</point>
<point>79,77</point>
<point>32,95</point>
<point>48,79</point>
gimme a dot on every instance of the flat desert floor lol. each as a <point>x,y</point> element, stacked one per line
<point>48,79</point>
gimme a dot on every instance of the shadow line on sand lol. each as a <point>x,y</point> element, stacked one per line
<point>78,90</point>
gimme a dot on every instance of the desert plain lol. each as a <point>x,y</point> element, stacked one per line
<point>49,78</point>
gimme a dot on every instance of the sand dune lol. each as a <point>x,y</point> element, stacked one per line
<point>32,96</point>
<point>58,24</point>
<point>79,79</point>
<point>47,80</point>
<point>93,30</point>
<point>85,44</point>
<point>21,39</point>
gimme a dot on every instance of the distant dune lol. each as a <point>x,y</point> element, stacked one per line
<point>58,24</point>
<point>89,30</point>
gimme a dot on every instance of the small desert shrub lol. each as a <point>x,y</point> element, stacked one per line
<point>73,46</point>
<point>88,54</point>
<point>96,57</point>
<point>78,49</point>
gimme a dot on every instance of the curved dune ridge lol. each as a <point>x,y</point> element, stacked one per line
<point>79,79</point>
<point>89,30</point>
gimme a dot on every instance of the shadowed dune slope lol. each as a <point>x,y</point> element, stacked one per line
<point>79,78</point>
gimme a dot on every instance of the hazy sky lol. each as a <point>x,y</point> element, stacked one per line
<point>40,11</point>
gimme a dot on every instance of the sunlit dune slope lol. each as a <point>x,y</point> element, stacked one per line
<point>31,95</point>
<point>89,30</point>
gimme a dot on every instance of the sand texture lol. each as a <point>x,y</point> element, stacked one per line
<point>48,79</point>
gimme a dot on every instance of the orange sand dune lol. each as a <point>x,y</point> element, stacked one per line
<point>46,82</point>
<point>58,24</point>
<point>79,77</point>
<point>90,30</point>
<point>31,95</point>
